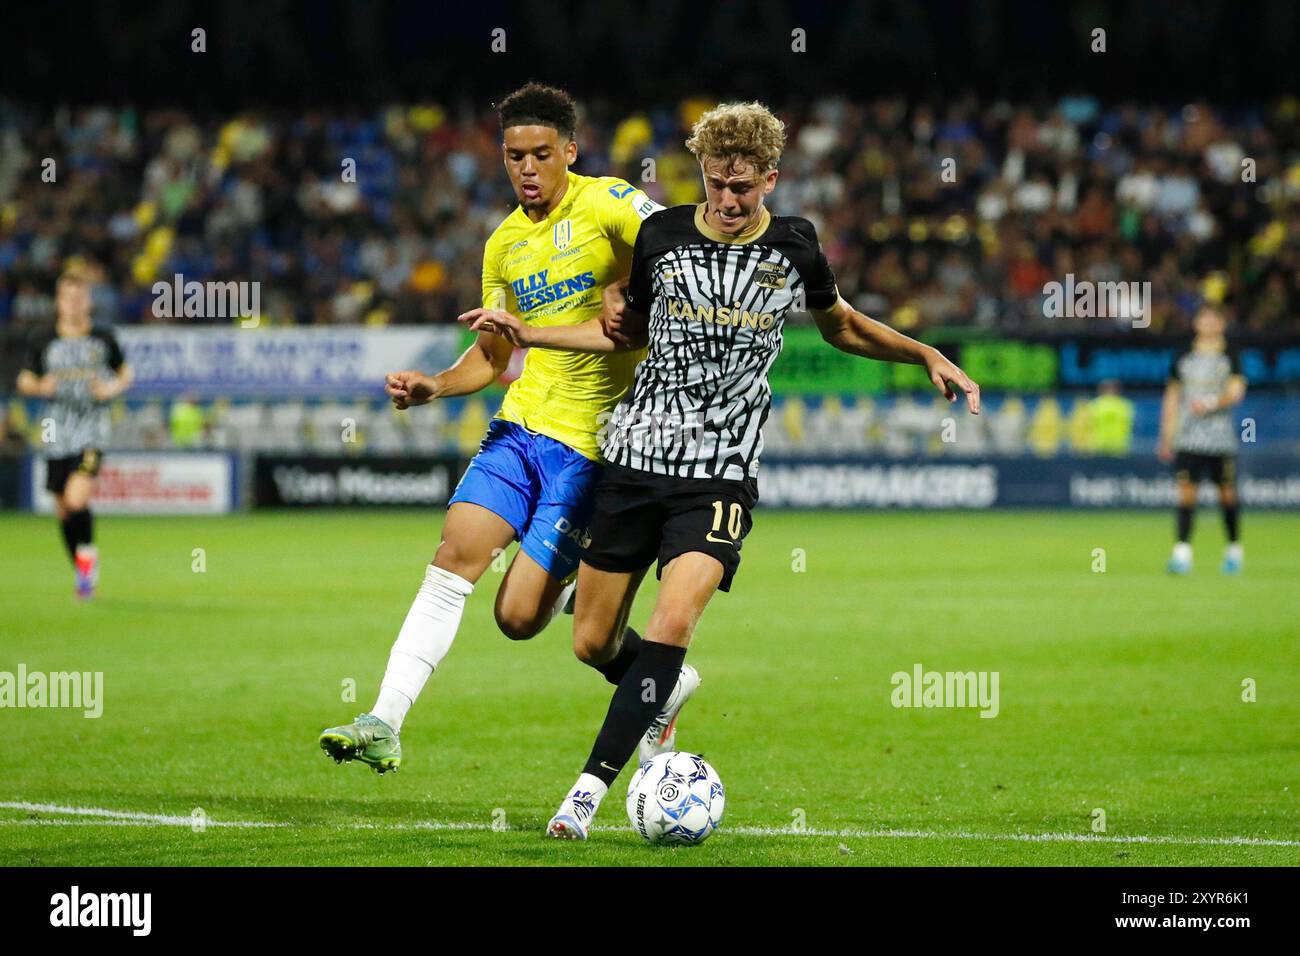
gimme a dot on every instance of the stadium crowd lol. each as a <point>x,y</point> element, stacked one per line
<point>953,212</point>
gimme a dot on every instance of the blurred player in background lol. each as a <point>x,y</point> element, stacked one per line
<point>1110,421</point>
<point>535,473</point>
<point>710,287</point>
<point>1198,434</point>
<point>78,368</point>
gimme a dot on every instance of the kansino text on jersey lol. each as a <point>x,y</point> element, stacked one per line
<point>722,315</point>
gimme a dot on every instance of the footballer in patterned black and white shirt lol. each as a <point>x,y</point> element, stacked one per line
<point>78,368</point>
<point>710,288</point>
<point>1199,435</point>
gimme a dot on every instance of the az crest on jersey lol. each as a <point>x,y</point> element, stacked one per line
<point>771,275</point>
<point>562,233</point>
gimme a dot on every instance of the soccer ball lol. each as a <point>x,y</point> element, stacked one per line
<point>675,798</point>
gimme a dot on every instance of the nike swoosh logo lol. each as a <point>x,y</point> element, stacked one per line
<point>710,537</point>
<point>608,767</point>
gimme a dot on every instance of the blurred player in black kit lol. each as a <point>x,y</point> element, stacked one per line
<point>1198,434</point>
<point>78,368</point>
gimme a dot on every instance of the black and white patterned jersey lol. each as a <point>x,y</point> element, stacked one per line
<point>716,305</point>
<point>78,421</point>
<point>1204,377</point>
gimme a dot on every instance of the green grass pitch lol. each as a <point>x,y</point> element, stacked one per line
<point>1119,691</point>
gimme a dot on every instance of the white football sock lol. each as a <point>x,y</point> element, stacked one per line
<point>1183,551</point>
<point>590,783</point>
<point>563,599</point>
<point>424,640</point>
<point>1235,551</point>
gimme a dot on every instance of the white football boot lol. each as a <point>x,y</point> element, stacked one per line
<point>662,734</point>
<point>1180,562</point>
<point>573,820</point>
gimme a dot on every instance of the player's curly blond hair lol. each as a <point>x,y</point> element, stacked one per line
<point>739,132</point>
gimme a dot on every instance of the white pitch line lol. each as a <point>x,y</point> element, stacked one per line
<point>99,816</point>
<point>126,816</point>
<point>419,825</point>
<point>58,822</point>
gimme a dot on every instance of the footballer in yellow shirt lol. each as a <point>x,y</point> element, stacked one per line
<point>534,476</point>
<point>553,272</point>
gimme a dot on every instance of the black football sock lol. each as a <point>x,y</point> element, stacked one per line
<point>627,652</point>
<point>641,694</point>
<point>83,528</point>
<point>68,527</point>
<point>1232,521</point>
<point>1185,524</point>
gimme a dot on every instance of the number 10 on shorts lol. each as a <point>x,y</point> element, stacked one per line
<point>734,519</point>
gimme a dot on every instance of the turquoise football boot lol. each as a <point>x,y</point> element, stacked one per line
<point>367,739</point>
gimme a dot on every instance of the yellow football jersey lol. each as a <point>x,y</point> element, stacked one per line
<point>553,273</point>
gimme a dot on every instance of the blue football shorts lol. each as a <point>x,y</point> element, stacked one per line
<point>542,487</point>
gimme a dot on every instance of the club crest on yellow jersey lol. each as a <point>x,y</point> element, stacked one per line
<point>561,234</point>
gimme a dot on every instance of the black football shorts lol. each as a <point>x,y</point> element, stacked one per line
<point>59,470</point>
<point>1220,469</point>
<point>641,517</point>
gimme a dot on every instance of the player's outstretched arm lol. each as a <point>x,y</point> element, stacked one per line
<point>850,331</point>
<point>587,336</point>
<point>478,367</point>
<point>613,310</point>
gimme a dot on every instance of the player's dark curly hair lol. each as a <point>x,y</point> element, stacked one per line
<point>535,104</point>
